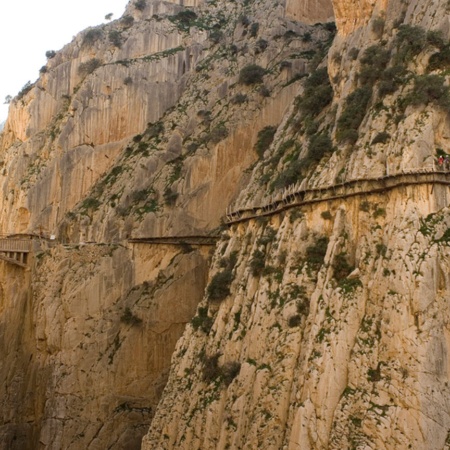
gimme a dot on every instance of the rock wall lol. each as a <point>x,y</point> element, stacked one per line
<point>88,373</point>
<point>337,340</point>
<point>325,325</point>
<point>139,128</point>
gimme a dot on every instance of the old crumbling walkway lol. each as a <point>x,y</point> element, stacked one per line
<point>201,240</point>
<point>294,196</point>
<point>15,249</point>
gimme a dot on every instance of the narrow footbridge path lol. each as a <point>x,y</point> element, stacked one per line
<point>177,240</point>
<point>294,196</point>
<point>16,248</point>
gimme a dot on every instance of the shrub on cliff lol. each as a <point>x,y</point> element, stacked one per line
<point>129,318</point>
<point>127,21</point>
<point>92,36</point>
<point>115,38</point>
<point>440,60</point>
<point>184,19</point>
<point>428,89</point>
<point>315,254</point>
<point>319,145</point>
<point>353,114</point>
<point>140,5</point>
<point>88,67</point>
<point>317,94</point>
<point>25,89</point>
<point>257,263</point>
<point>265,138</point>
<point>211,371</point>
<point>202,321</point>
<point>219,286</point>
<point>411,40</point>
<point>251,74</point>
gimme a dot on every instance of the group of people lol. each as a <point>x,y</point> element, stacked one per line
<point>444,162</point>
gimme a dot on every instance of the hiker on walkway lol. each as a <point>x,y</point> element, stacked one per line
<point>441,162</point>
<point>447,162</point>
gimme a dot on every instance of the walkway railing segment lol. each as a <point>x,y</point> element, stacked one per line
<point>294,195</point>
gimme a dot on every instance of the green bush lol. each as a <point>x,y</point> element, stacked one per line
<point>319,145</point>
<point>219,286</point>
<point>381,249</point>
<point>217,134</point>
<point>251,74</point>
<point>239,99</point>
<point>91,36</point>
<point>254,28</point>
<point>381,138</point>
<point>25,89</point>
<point>50,54</point>
<point>436,39</point>
<point>257,263</point>
<point>215,36</point>
<point>211,371</point>
<point>315,254</point>
<point>115,38</point>
<point>89,66</point>
<point>184,19</point>
<point>140,196</point>
<point>91,203</point>
<point>355,108</point>
<point>261,45</point>
<point>129,318</point>
<point>411,40</point>
<point>440,60</point>
<point>378,26</point>
<point>290,175</point>
<point>154,129</point>
<point>140,5</point>
<point>264,140</point>
<point>127,21</point>
<point>268,237</point>
<point>428,89</point>
<point>317,93</point>
<point>202,321</point>
<point>391,79</point>
<point>373,63</point>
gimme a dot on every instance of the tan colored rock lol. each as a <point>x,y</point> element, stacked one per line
<point>88,157</point>
<point>98,369</point>
<point>310,11</point>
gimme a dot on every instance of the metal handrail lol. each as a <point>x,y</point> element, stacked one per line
<point>294,196</point>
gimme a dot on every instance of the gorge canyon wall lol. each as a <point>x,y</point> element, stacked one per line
<point>321,325</point>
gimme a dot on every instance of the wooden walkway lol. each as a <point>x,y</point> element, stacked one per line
<point>177,240</point>
<point>15,249</point>
<point>295,196</point>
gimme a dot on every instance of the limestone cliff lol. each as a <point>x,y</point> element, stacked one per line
<point>319,319</point>
<point>325,321</point>
<point>140,128</point>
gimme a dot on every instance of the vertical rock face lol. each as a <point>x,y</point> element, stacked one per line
<point>140,128</point>
<point>324,322</point>
<point>326,345</point>
<point>325,319</point>
<point>309,11</point>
